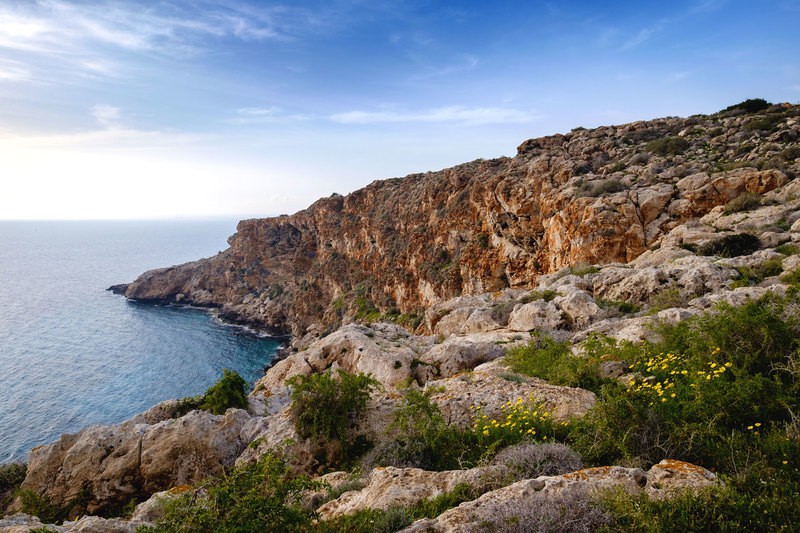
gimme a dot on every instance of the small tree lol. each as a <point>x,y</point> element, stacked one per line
<point>325,409</point>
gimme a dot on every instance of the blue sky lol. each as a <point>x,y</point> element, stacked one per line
<point>195,108</point>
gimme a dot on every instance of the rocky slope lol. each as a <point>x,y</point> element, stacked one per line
<point>398,246</point>
<point>657,245</point>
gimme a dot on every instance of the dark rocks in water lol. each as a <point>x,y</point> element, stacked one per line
<point>119,289</point>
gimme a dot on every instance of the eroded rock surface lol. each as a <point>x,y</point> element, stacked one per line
<point>402,245</point>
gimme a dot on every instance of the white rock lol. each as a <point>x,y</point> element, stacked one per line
<point>537,315</point>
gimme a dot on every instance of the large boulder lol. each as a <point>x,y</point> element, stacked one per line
<point>547,500</point>
<point>107,466</point>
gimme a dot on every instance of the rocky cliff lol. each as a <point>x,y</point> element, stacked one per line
<point>674,215</point>
<point>399,246</point>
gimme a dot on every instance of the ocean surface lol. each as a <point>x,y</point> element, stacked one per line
<point>73,354</point>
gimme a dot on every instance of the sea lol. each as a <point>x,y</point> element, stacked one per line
<point>72,354</point>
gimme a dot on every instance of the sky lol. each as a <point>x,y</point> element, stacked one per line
<point>209,108</point>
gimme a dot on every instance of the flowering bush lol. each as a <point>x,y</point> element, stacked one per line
<point>521,419</point>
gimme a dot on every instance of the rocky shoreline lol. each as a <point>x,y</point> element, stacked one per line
<point>429,281</point>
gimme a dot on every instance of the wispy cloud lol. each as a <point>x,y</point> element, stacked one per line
<point>464,64</point>
<point>88,36</point>
<point>641,36</point>
<point>456,114</point>
<point>13,71</point>
<point>107,116</point>
<point>264,115</point>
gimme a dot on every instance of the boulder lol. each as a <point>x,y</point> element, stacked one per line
<point>491,385</point>
<point>537,315</point>
<point>401,487</point>
<point>544,501</point>
<point>111,465</point>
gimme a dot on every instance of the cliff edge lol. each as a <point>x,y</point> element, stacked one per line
<point>399,246</point>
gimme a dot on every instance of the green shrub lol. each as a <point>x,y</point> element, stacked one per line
<point>751,105</point>
<point>421,438</point>
<point>544,357</point>
<point>791,153</point>
<point>325,409</point>
<point>262,496</point>
<point>583,269</point>
<point>747,278</point>
<point>766,503</point>
<point>788,249</point>
<point>397,518</point>
<point>599,188</point>
<point>547,295</point>
<point>668,146</point>
<point>369,521</point>
<point>624,308</point>
<point>11,477</point>
<point>765,123</point>
<point>747,201</point>
<point>230,391</point>
<point>33,503</point>
<point>734,245</point>
<point>707,388</point>
<point>667,298</point>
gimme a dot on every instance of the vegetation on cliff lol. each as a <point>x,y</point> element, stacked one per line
<point>720,390</point>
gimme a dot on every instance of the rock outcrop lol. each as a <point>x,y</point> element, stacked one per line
<point>398,246</point>
<point>550,499</point>
<point>105,467</point>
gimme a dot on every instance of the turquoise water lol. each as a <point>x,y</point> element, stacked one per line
<point>72,354</point>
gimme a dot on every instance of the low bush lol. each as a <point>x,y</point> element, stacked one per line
<point>546,358</point>
<point>734,245</point>
<point>740,503</point>
<point>325,409</point>
<point>583,269</point>
<point>523,419</point>
<point>620,307</point>
<point>667,146</point>
<point>751,105</point>
<point>11,477</point>
<point>574,511</point>
<point>421,437</point>
<point>764,123</point>
<point>528,460</point>
<point>667,298</point>
<point>229,391</point>
<point>397,518</point>
<point>788,249</point>
<point>791,153</point>
<point>706,389</point>
<point>257,497</point>
<point>594,189</point>
<point>747,201</point>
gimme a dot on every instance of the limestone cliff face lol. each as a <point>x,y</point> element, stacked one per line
<point>401,245</point>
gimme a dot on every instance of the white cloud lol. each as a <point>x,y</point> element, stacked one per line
<point>457,114</point>
<point>258,111</point>
<point>88,36</point>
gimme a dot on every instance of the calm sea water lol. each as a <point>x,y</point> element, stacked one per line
<point>73,354</point>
